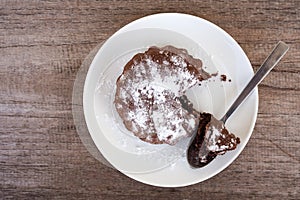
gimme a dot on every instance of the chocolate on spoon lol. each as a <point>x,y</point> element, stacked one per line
<point>212,138</point>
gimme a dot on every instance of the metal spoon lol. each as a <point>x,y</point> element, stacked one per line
<point>198,155</point>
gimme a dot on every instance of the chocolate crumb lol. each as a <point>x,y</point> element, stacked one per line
<point>223,77</point>
<point>214,74</point>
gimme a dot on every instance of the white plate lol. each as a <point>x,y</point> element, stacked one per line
<point>225,54</point>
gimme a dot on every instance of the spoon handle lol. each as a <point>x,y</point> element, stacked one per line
<point>275,56</point>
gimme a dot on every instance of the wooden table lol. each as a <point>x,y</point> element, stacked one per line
<point>42,46</point>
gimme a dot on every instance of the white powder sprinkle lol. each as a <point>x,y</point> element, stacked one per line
<point>148,93</point>
<point>212,137</point>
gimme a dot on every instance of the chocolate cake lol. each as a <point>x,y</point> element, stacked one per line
<point>212,139</point>
<point>149,90</point>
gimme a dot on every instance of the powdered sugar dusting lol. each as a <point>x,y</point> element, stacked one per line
<point>217,137</point>
<point>148,90</point>
<point>212,137</point>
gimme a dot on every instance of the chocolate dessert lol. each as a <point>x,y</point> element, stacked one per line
<point>149,90</point>
<point>150,99</point>
<point>212,139</point>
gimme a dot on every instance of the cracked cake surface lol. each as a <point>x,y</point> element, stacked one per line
<point>148,94</point>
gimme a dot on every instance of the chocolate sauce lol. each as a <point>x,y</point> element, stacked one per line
<point>198,154</point>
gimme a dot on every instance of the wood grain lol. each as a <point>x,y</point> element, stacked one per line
<point>42,45</point>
